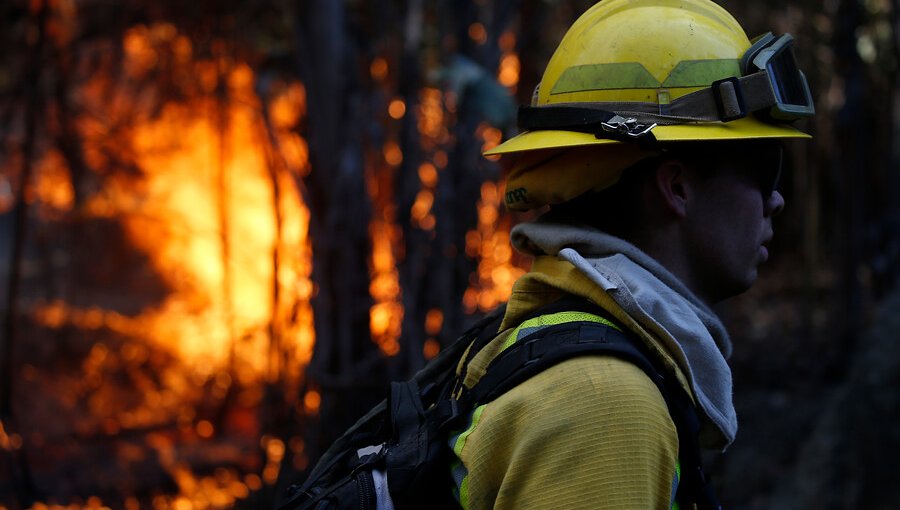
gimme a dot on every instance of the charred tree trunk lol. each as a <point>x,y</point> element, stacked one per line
<point>431,278</point>
<point>532,20</point>
<point>893,179</point>
<point>275,413</point>
<point>223,189</point>
<point>223,186</point>
<point>275,341</point>
<point>853,162</point>
<point>26,491</point>
<point>345,361</point>
<point>468,170</point>
<point>417,289</point>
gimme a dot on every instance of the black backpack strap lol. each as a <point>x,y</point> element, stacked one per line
<point>568,303</point>
<point>694,485</point>
<point>552,345</point>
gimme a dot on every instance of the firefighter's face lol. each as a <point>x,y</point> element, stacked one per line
<point>730,218</point>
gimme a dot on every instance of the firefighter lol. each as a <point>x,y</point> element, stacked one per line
<point>653,143</point>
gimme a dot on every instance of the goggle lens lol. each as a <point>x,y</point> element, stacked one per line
<point>776,56</point>
<point>788,78</point>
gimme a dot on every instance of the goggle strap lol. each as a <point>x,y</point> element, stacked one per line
<point>758,92</point>
<point>726,100</point>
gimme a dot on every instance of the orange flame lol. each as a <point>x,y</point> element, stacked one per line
<point>201,159</point>
<point>497,271</point>
<point>386,316</point>
<point>510,67</point>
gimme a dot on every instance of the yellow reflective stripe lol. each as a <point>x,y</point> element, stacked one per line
<point>701,73</point>
<point>457,449</point>
<point>633,75</point>
<point>608,76</point>
<point>532,325</point>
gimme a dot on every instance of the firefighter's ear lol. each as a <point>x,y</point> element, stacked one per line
<point>673,187</point>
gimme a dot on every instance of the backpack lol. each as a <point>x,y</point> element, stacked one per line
<point>397,456</point>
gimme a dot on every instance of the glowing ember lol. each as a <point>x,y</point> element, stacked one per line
<point>434,319</point>
<point>53,185</point>
<point>392,154</point>
<point>312,400</point>
<point>386,316</point>
<point>510,67</point>
<point>428,175</point>
<point>478,33</point>
<point>431,120</point>
<point>397,109</point>
<point>431,348</point>
<point>509,70</point>
<point>379,68</point>
<point>491,136</point>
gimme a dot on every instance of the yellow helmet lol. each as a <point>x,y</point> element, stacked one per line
<point>669,70</point>
<point>646,71</point>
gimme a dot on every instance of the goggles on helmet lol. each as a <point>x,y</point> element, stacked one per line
<point>772,87</point>
<point>775,56</point>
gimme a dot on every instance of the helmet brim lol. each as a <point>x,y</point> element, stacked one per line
<point>747,128</point>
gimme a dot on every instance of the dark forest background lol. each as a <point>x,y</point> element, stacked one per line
<point>191,192</point>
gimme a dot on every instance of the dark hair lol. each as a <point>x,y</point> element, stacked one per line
<point>616,210</point>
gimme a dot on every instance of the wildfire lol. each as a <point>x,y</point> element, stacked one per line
<point>211,201</point>
<point>222,223</point>
<point>174,215</point>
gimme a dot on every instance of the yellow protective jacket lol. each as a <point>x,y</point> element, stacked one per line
<point>591,432</point>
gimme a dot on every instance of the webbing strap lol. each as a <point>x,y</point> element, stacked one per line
<point>550,346</point>
<point>723,101</point>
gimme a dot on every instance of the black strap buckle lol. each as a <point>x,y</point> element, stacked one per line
<point>730,104</point>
